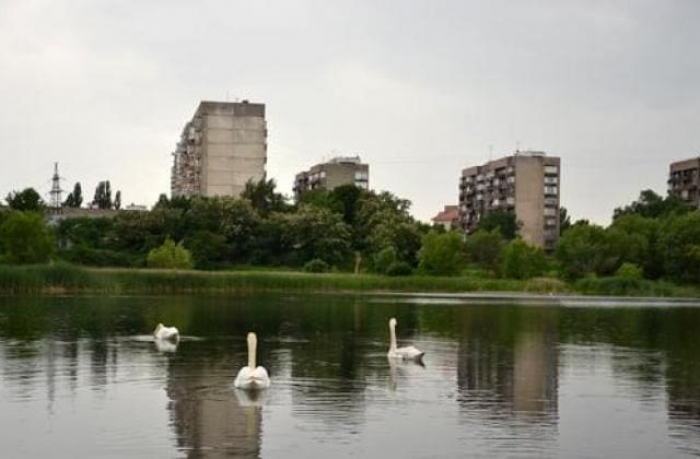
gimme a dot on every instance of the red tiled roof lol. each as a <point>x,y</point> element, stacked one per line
<point>450,214</point>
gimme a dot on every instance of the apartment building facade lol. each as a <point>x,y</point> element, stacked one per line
<point>684,181</point>
<point>526,183</point>
<point>342,170</point>
<point>221,148</point>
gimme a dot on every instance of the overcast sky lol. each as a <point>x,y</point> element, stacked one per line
<point>419,89</point>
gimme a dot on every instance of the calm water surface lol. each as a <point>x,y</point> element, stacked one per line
<point>80,377</point>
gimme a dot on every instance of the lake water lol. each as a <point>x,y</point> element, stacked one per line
<point>80,377</point>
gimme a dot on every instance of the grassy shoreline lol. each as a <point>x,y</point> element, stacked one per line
<point>63,278</point>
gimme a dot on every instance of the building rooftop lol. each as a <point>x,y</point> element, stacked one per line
<point>449,214</point>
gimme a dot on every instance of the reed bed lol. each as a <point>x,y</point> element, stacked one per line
<point>66,278</point>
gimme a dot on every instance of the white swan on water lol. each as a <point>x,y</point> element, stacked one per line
<point>166,333</point>
<point>250,377</point>
<point>403,353</point>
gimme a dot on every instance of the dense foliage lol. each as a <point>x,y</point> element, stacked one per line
<point>441,254</point>
<point>25,238</point>
<point>170,256</point>
<point>354,230</point>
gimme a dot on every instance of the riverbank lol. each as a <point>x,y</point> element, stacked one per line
<point>63,278</point>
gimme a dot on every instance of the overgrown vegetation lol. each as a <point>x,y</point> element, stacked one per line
<point>651,245</point>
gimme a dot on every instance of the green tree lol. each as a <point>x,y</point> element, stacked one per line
<point>441,254</point>
<point>170,256</point>
<point>640,245</point>
<point>501,220</point>
<point>75,198</point>
<point>649,204</point>
<point>564,220</point>
<point>485,248</point>
<point>680,244</point>
<point>313,232</point>
<point>263,197</point>
<point>523,261</point>
<point>382,220</point>
<point>27,200</point>
<point>345,199</point>
<point>209,250</point>
<point>103,195</point>
<point>384,259</point>
<point>589,249</point>
<point>25,238</point>
<point>118,200</point>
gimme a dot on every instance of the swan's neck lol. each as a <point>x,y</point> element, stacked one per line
<point>392,337</point>
<point>252,345</point>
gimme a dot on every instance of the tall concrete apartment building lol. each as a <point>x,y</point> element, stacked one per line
<point>221,148</point>
<point>527,183</point>
<point>343,170</point>
<point>684,181</point>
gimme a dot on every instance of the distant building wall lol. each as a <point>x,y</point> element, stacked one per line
<point>684,181</point>
<point>332,174</point>
<point>222,148</point>
<point>527,183</point>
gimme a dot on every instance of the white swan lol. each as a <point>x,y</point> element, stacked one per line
<point>166,333</point>
<point>250,377</point>
<point>165,345</point>
<point>403,353</point>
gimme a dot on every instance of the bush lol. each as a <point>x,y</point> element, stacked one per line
<point>316,266</point>
<point>25,238</point>
<point>522,261</point>
<point>629,271</point>
<point>385,259</point>
<point>441,254</point>
<point>399,268</point>
<point>170,256</point>
<point>485,248</point>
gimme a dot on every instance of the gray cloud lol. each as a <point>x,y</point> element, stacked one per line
<point>420,89</point>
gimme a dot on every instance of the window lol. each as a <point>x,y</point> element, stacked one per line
<point>551,169</point>
<point>551,180</point>
<point>360,175</point>
<point>550,190</point>
<point>550,211</point>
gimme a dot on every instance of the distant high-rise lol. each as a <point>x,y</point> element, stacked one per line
<point>338,171</point>
<point>527,183</point>
<point>684,181</point>
<point>220,149</point>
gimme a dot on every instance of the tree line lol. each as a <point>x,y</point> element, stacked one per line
<point>353,230</point>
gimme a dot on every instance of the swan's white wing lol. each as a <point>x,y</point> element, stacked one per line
<point>164,345</point>
<point>243,379</point>
<point>407,353</point>
<point>261,378</point>
<point>252,379</point>
<point>171,333</point>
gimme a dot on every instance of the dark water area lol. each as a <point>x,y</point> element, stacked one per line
<point>80,377</point>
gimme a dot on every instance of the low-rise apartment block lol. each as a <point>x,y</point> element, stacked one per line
<point>684,181</point>
<point>221,148</point>
<point>526,183</point>
<point>343,170</point>
<point>448,218</point>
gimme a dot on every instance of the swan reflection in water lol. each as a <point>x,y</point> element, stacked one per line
<point>401,369</point>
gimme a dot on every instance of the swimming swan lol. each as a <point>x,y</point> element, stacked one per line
<point>403,353</point>
<point>166,333</point>
<point>250,377</point>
